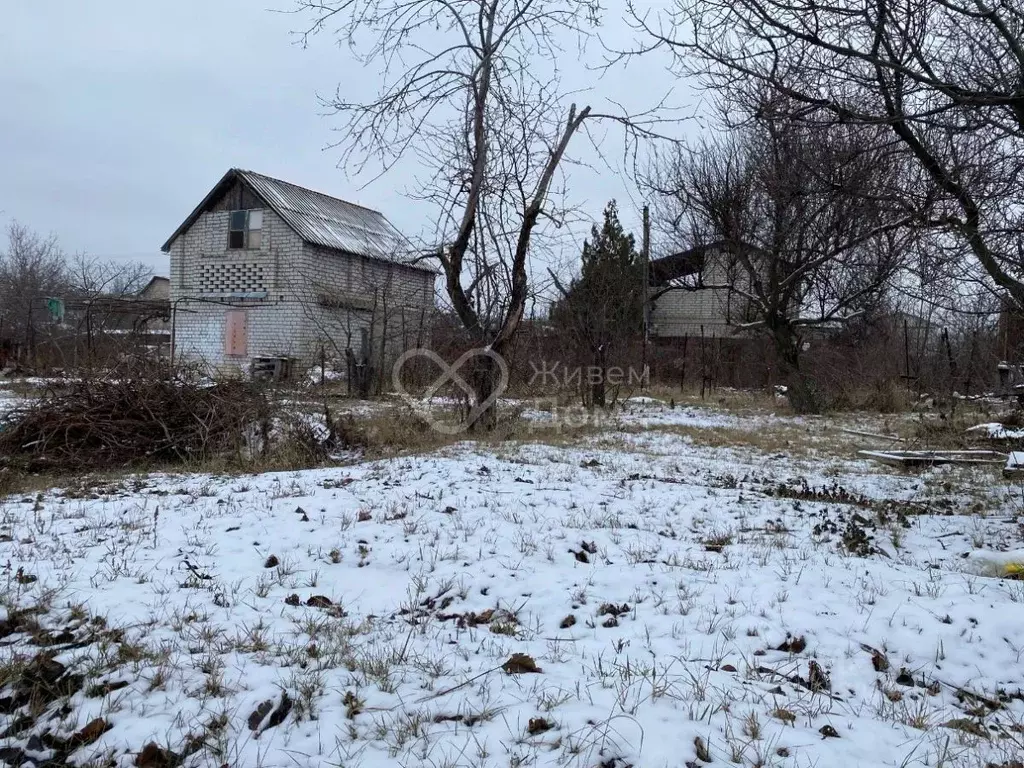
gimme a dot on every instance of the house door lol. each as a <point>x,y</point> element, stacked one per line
<point>236,333</point>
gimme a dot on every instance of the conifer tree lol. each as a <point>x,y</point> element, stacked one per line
<point>602,309</point>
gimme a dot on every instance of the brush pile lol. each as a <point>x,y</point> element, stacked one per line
<point>148,415</point>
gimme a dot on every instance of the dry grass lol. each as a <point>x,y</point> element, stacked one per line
<point>388,428</point>
<point>796,441</point>
<point>416,644</point>
<point>724,398</point>
<point>815,436</point>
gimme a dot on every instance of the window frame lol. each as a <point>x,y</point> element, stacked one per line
<point>247,230</point>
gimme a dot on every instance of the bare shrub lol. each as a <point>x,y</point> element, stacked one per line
<point>142,414</point>
<point>389,431</point>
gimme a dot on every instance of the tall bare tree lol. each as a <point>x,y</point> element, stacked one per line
<point>35,270</point>
<point>471,88</point>
<point>32,269</point>
<point>943,76</point>
<point>797,228</point>
<point>91,276</point>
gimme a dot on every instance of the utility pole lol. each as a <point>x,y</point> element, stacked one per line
<point>645,257</point>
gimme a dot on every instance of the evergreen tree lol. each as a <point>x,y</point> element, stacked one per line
<point>602,309</point>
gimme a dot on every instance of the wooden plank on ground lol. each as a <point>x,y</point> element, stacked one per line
<point>876,436</point>
<point>934,458</point>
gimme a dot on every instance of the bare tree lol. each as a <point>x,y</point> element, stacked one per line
<point>97,289</point>
<point>32,269</point>
<point>92,276</point>
<point>472,89</point>
<point>943,76</point>
<point>795,227</point>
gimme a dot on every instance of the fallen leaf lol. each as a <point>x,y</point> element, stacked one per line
<point>538,725</point>
<point>703,754</point>
<point>519,664</point>
<point>259,713</point>
<point>793,645</point>
<point>91,732</point>
<point>278,715</point>
<point>154,756</point>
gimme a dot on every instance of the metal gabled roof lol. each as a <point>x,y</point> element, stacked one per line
<point>668,269</point>
<point>674,268</point>
<point>318,219</point>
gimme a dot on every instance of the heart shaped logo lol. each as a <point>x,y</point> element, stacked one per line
<point>449,374</point>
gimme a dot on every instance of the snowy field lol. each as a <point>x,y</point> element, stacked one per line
<point>632,598</point>
<point>8,400</point>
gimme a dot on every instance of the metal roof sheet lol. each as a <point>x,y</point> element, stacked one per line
<point>322,220</point>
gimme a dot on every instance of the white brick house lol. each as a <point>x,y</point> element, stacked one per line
<point>264,270</point>
<point>679,311</point>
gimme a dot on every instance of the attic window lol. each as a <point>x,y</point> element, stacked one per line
<point>245,229</point>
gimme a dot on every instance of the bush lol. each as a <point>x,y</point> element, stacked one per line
<point>145,415</point>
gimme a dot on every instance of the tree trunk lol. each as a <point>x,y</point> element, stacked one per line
<point>805,396</point>
<point>597,385</point>
<point>802,391</point>
<point>485,378</point>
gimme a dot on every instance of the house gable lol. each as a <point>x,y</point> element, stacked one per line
<point>236,196</point>
<point>317,219</point>
<point>230,193</point>
<point>157,288</point>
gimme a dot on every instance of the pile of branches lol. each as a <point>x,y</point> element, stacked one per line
<point>143,416</point>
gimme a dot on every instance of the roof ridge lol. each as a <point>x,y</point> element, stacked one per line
<point>307,189</point>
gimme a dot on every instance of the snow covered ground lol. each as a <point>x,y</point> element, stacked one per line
<point>997,431</point>
<point>8,400</point>
<point>674,604</point>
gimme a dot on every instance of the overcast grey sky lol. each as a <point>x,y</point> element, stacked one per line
<point>119,115</point>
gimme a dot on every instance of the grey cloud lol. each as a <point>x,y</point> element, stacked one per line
<point>119,115</point>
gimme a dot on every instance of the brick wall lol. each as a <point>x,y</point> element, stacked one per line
<point>353,295</point>
<point>680,313</point>
<point>206,276</point>
<point>299,299</point>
